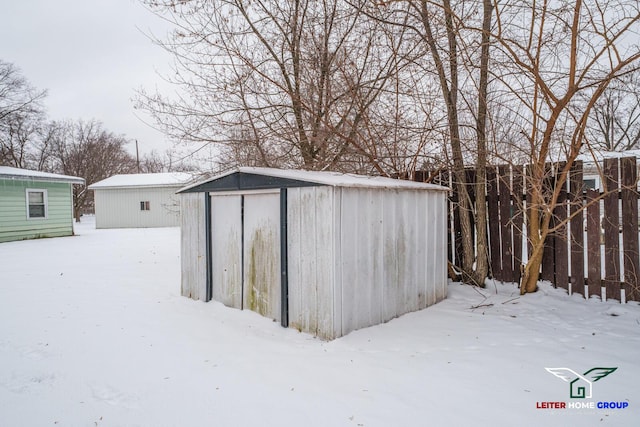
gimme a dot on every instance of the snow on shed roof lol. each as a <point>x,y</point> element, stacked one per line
<point>166,179</point>
<point>334,179</point>
<point>9,172</point>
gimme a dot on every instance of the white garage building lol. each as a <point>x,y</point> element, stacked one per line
<point>139,200</point>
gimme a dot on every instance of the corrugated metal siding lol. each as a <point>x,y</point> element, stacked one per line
<point>439,253</point>
<point>359,257</point>
<point>391,261</point>
<point>310,247</point>
<point>226,249</point>
<point>193,250</point>
<point>14,224</point>
<point>362,261</point>
<point>337,256</point>
<point>120,208</point>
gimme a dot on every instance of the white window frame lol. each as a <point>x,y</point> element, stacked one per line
<point>45,196</point>
<point>145,206</point>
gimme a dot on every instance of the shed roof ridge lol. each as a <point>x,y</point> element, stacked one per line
<point>330,178</point>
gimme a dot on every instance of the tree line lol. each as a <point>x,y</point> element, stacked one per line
<point>29,140</point>
<point>396,86</point>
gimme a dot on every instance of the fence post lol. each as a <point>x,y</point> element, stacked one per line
<point>494,224</point>
<point>611,229</point>
<point>561,251</point>
<point>576,206</point>
<point>593,243</point>
<point>504,186</point>
<point>548,255</point>
<point>517,220</point>
<point>629,174</point>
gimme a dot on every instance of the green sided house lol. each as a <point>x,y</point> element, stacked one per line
<point>35,204</point>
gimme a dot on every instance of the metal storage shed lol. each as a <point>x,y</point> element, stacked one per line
<point>322,252</point>
<point>139,200</point>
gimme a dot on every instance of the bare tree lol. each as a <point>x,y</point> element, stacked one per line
<point>327,85</point>
<point>168,161</point>
<point>561,57</point>
<point>456,43</point>
<point>87,150</point>
<point>294,81</point>
<point>21,119</point>
<point>615,118</point>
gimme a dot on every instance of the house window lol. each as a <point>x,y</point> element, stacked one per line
<point>144,206</point>
<point>590,184</point>
<point>36,204</point>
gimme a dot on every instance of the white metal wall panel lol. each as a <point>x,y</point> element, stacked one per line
<point>401,234</point>
<point>432,235</point>
<point>120,208</point>
<point>261,291</point>
<point>423,251</point>
<point>307,261</point>
<point>310,259</point>
<point>432,216</point>
<point>377,256</point>
<point>193,246</point>
<point>370,302</point>
<point>389,256</point>
<point>400,292</point>
<point>336,266</point>
<point>324,260</point>
<point>226,250</point>
<point>393,258</point>
<point>348,263</point>
<point>421,248</point>
<point>295,235</point>
<point>439,266</point>
<point>412,241</point>
<point>362,261</point>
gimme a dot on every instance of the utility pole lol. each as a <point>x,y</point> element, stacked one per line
<point>137,156</point>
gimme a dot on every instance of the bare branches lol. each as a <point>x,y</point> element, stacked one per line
<point>388,87</point>
<point>298,77</point>
<point>87,150</point>
<point>16,94</point>
<point>21,118</point>
<point>569,53</point>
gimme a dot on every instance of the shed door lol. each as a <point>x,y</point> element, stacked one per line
<point>261,249</point>
<point>226,249</point>
<point>245,252</point>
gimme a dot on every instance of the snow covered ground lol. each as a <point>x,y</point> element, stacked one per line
<point>94,332</point>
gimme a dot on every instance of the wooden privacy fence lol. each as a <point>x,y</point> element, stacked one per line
<point>595,249</point>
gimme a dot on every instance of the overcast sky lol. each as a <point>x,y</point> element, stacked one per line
<point>91,56</point>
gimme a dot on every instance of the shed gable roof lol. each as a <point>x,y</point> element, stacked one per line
<point>250,178</point>
<point>8,172</point>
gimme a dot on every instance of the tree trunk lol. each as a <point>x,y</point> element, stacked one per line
<point>449,88</point>
<point>482,252</point>
<point>529,280</point>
